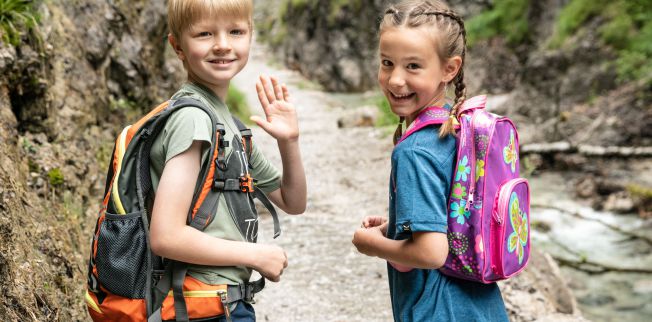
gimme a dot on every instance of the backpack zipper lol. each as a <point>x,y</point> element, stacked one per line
<point>503,198</point>
<point>469,200</point>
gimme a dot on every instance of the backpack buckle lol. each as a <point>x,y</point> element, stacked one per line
<point>247,183</point>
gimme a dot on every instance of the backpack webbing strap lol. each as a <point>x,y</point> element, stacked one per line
<point>178,276</point>
<point>245,291</point>
<point>246,135</point>
<point>265,201</point>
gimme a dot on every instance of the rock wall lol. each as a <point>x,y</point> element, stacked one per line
<point>93,65</point>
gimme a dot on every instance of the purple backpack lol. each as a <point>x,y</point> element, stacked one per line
<point>489,205</point>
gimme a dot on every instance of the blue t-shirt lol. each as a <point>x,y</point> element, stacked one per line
<point>422,167</point>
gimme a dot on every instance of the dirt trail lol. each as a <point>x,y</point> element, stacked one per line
<point>347,172</point>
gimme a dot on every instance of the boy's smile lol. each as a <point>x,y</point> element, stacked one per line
<point>215,50</point>
<point>410,73</point>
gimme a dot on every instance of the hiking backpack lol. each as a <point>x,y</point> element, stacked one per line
<point>126,281</point>
<point>489,204</point>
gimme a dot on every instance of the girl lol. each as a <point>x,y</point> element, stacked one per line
<point>422,49</point>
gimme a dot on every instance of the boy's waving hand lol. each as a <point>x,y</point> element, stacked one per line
<point>280,115</point>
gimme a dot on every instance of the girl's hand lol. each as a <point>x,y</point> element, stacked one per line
<point>373,221</point>
<point>280,115</point>
<point>364,240</point>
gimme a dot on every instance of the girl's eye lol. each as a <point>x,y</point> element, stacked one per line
<point>386,63</point>
<point>413,66</point>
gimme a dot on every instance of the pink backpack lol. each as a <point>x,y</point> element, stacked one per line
<point>489,206</point>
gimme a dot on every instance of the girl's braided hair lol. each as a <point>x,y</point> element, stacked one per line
<point>449,34</point>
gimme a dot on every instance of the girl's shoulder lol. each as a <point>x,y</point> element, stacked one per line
<point>426,143</point>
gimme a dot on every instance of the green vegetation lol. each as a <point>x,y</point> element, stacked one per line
<point>386,117</point>
<point>237,103</point>
<point>507,18</point>
<point>627,28</point>
<point>642,199</point>
<point>16,17</point>
<point>55,177</point>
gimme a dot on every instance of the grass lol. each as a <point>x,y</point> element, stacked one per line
<point>237,103</point>
<point>507,18</point>
<point>16,17</point>
<point>386,116</point>
<point>626,27</point>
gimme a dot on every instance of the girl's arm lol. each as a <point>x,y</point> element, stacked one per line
<point>281,123</point>
<point>427,250</point>
<point>172,238</point>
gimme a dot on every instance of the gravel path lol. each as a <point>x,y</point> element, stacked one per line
<point>347,172</point>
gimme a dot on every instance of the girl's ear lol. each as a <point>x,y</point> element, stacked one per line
<point>176,46</point>
<point>451,68</point>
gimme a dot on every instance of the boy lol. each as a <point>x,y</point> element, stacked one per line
<point>213,39</point>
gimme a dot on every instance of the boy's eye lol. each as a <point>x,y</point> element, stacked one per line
<point>413,66</point>
<point>238,32</point>
<point>386,63</point>
<point>203,34</point>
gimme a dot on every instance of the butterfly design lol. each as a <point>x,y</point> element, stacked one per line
<point>509,152</point>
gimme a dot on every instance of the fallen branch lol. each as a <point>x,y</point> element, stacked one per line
<point>580,216</point>
<point>586,150</point>
<point>592,267</point>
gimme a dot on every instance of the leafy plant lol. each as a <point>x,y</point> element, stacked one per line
<point>627,28</point>
<point>16,16</point>
<point>507,18</point>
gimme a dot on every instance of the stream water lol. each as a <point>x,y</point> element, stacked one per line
<point>602,296</point>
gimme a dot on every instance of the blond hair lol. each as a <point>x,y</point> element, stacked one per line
<point>449,34</point>
<point>183,13</point>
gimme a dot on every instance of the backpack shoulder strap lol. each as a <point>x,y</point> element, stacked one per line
<point>245,134</point>
<point>429,116</point>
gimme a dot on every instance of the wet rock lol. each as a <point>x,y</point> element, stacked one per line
<point>619,202</point>
<point>365,116</point>
<point>586,187</point>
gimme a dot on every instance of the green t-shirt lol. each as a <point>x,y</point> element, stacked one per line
<point>191,124</point>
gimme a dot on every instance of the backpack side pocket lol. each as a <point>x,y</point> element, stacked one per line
<point>510,228</point>
<point>121,257</point>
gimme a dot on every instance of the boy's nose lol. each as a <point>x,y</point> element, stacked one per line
<point>221,44</point>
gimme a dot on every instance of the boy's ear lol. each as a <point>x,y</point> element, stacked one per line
<point>176,46</point>
<point>451,68</point>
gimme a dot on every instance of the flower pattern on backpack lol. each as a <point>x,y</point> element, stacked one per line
<point>518,239</point>
<point>463,169</point>
<point>479,169</point>
<point>458,243</point>
<point>458,191</point>
<point>481,144</point>
<point>509,152</point>
<point>459,212</point>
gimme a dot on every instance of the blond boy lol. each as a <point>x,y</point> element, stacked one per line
<point>213,39</point>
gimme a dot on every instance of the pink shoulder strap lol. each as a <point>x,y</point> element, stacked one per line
<point>439,115</point>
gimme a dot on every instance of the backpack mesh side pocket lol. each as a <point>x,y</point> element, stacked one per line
<point>122,255</point>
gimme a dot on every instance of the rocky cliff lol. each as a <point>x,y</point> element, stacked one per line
<point>64,88</point>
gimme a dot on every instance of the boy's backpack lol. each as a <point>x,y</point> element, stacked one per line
<point>126,281</point>
<point>489,206</point>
